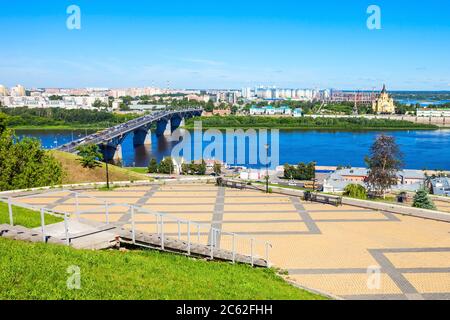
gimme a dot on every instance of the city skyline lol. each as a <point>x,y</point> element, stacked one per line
<point>208,45</point>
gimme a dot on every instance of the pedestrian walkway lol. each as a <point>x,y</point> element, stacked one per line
<point>345,251</point>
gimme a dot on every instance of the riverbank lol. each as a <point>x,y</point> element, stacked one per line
<point>306,123</point>
<point>62,127</point>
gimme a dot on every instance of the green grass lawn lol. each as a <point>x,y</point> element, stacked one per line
<point>138,170</point>
<point>25,217</point>
<point>39,271</point>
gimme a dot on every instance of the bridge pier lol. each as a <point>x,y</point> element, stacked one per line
<point>111,152</point>
<point>118,156</point>
<point>163,127</point>
<point>142,137</point>
<point>176,122</point>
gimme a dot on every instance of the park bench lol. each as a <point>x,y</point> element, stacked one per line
<point>231,184</point>
<point>323,198</point>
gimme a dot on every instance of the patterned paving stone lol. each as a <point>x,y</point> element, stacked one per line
<point>324,247</point>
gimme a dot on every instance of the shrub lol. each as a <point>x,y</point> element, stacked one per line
<point>24,164</point>
<point>355,191</point>
<point>421,200</point>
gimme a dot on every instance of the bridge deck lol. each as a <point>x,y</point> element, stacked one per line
<point>108,135</point>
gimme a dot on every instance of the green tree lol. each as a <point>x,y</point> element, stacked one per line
<point>423,201</point>
<point>217,168</point>
<point>3,119</point>
<point>300,172</point>
<point>355,191</point>
<point>90,156</point>
<point>100,105</point>
<point>383,163</point>
<point>166,166</point>
<point>124,107</point>
<point>202,168</point>
<point>209,107</point>
<point>185,168</point>
<point>24,164</point>
<point>153,166</point>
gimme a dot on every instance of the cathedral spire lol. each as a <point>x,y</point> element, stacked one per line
<point>384,89</point>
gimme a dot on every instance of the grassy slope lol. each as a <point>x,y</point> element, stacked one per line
<point>25,217</point>
<point>139,170</point>
<point>75,173</point>
<point>38,271</point>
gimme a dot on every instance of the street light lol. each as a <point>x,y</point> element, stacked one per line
<point>105,151</point>
<point>266,146</point>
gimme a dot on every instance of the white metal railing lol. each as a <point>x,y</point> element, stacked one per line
<point>43,211</point>
<point>166,226</point>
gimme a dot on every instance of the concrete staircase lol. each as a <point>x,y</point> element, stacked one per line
<point>95,236</point>
<point>25,234</point>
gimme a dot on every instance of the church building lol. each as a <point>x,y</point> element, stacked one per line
<point>383,104</point>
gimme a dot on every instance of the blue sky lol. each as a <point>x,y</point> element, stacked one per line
<point>226,44</point>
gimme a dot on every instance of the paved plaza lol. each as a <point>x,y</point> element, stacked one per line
<point>336,250</point>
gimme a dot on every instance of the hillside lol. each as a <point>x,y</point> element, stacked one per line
<point>75,173</point>
<point>38,271</point>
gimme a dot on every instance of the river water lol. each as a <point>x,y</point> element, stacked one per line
<point>428,149</point>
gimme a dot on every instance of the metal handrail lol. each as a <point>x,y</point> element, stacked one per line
<point>214,233</point>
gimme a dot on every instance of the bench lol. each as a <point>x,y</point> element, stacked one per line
<point>231,184</point>
<point>323,198</point>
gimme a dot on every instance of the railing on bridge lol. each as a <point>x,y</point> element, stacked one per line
<point>165,226</point>
<point>124,128</point>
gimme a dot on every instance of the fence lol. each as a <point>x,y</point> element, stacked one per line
<point>167,227</point>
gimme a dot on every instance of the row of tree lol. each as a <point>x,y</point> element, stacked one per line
<point>300,172</point>
<point>24,116</point>
<point>304,122</point>
<point>194,168</point>
<point>165,166</point>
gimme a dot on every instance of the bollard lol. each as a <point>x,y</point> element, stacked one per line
<point>44,239</point>
<point>10,210</point>
<point>267,254</point>
<point>133,231</point>
<point>179,230</point>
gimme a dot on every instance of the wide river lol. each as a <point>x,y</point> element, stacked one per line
<point>421,149</point>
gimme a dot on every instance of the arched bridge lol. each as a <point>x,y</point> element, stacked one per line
<point>110,140</point>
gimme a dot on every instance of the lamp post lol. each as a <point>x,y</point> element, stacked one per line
<point>105,152</point>
<point>266,146</point>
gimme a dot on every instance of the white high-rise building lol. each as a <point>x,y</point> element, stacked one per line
<point>247,93</point>
<point>18,91</point>
<point>3,91</point>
